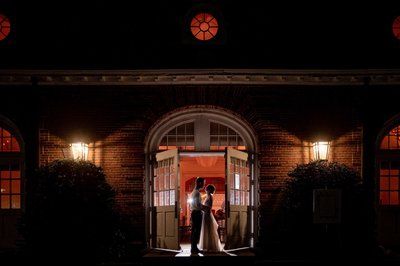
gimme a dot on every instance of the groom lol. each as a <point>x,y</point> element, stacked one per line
<point>196,214</point>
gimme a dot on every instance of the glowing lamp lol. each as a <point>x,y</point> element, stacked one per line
<point>80,150</point>
<point>321,150</point>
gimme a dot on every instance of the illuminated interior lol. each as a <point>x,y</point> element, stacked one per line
<point>389,169</point>
<point>391,141</point>
<point>10,171</point>
<point>212,168</point>
<point>220,136</point>
<point>8,142</point>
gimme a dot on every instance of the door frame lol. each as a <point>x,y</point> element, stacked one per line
<point>10,235</point>
<point>391,212</point>
<point>215,114</point>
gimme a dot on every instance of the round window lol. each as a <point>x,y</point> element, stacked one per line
<point>396,28</point>
<point>4,27</point>
<point>204,26</point>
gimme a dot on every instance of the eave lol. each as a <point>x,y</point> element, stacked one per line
<point>330,77</point>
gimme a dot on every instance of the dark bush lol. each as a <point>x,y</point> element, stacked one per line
<point>70,213</point>
<point>352,235</point>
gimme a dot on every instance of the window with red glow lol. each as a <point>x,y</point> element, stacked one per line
<point>10,171</point>
<point>10,184</point>
<point>204,26</point>
<point>5,27</point>
<point>389,169</point>
<point>181,137</point>
<point>391,141</point>
<point>220,136</point>
<point>389,182</point>
<point>8,142</point>
<point>396,28</point>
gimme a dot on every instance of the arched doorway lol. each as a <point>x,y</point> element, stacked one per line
<point>12,173</point>
<point>388,185</point>
<point>201,141</point>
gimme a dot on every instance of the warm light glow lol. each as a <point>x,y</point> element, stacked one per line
<point>80,151</point>
<point>185,148</point>
<point>206,161</point>
<point>8,142</point>
<point>204,26</point>
<point>5,27</point>
<point>221,148</point>
<point>396,28</point>
<point>321,150</point>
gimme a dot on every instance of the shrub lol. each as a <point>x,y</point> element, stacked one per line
<point>69,212</point>
<point>355,230</point>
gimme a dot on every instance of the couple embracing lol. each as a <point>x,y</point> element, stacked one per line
<point>204,226</point>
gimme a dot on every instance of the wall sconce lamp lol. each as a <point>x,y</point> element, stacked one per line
<point>321,150</point>
<point>80,150</point>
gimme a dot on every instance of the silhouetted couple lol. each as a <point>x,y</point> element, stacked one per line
<point>204,226</point>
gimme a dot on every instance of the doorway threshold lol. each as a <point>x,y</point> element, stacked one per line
<point>185,252</point>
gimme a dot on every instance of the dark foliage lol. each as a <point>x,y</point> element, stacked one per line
<point>353,235</point>
<point>70,213</point>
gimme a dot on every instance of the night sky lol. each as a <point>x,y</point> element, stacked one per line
<point>124,34</point>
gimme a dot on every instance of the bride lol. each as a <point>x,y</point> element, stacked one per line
<point>209,239</point>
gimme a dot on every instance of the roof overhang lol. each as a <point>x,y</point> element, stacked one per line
<point>200,77</point>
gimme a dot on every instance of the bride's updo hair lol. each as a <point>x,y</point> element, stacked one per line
<point>210,188</point>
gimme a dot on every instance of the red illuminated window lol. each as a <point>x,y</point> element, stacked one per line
<point>389,169</point>
<point>10,184</point>
<point>5,26</point>
<point>8,143</point>
<point>204,26</point>
<point>181,137</point>
<point>184,137</point>
<point>10,171</point>
<point>396,28</point>
<point>222,136</point>
<point>391,141</point>
<point>389,182</point>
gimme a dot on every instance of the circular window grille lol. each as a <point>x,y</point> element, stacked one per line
<point>396,28</point>
<point>204,26</point>
<point>4,27</point>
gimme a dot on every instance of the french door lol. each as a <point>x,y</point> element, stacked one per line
<point>166,200</point>
<point>237,199</point>
<point>166,190</point>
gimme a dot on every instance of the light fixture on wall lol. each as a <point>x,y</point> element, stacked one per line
<point>321,150</point>
<point>80,150</point>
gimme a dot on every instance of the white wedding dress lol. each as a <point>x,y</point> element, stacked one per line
<point>209,239</point>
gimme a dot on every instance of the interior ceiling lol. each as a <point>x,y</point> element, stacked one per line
<point>213,167</point>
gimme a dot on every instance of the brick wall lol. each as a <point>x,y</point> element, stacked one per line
<point>116,120</point>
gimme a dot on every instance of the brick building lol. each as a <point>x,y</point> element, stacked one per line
<point>135,95</point>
